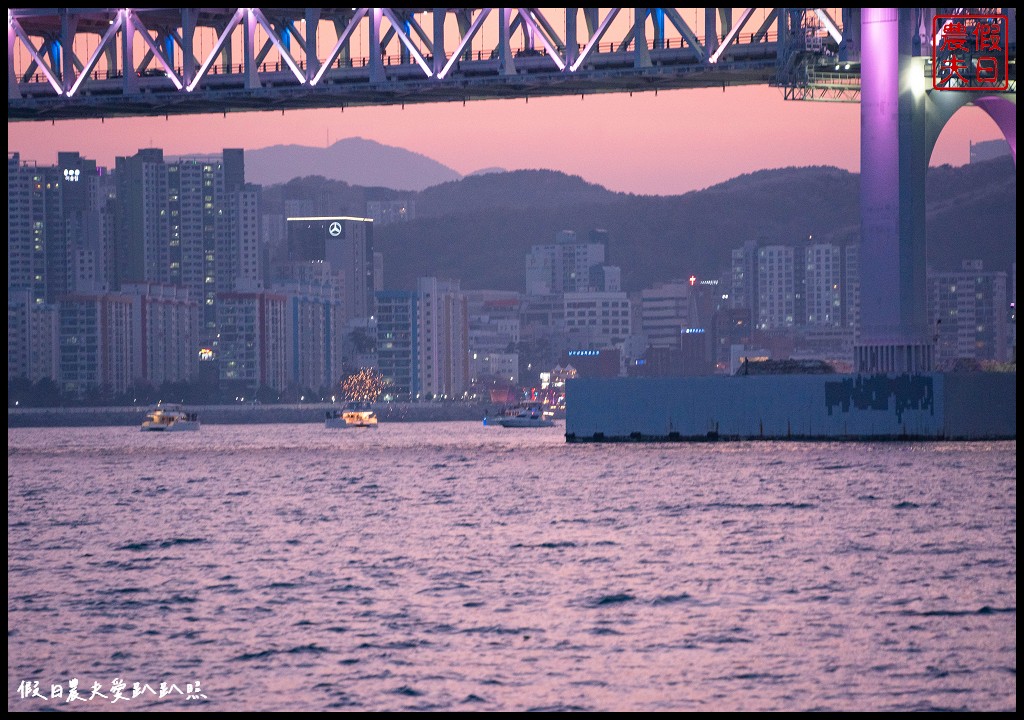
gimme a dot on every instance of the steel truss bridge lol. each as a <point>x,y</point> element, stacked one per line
<point>67,63</point>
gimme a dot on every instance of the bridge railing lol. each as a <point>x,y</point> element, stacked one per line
<point>390,60</point>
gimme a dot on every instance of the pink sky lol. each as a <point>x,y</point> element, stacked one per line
<point>663,144</point>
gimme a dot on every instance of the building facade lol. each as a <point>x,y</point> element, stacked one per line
<point>398,350</point>
<point>968,310</point>
<point>346,244</point>
<point>443,338</point>
<point>96,343</point>
<point>251,351</point>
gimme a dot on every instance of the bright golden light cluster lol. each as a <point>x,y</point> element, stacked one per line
<point>365,385</point>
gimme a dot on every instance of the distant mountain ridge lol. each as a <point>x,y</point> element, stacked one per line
<point>356,161</point>
<point>479,228</point>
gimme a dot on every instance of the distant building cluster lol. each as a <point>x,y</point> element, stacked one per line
<point>803,301</point>
<point>167,270</point>
<point>989,150</point>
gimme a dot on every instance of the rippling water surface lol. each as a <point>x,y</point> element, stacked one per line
<point>456,567</point>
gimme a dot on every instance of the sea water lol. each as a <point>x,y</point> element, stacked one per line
<point>451,566</point>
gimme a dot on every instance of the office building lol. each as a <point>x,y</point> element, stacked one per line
<point>346,244</point>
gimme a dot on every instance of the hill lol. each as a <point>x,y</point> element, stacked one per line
<point>480,228</point>
<point>353,160</point>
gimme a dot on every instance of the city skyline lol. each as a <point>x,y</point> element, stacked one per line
<point>665,143</point>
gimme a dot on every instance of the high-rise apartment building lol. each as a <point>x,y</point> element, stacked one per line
<point>96,343</point>
<point>968,310</point>
<point>251,349</point>
<point>443,338</point>
<point>165,332</point>
<point>314,328</point>
<point>55,227</point>
<point>188,221</point>
<point>851,287</point>
<point>26,228</point>
<point>823,283</point>
<point>32,338</point>
<point>743,293</point>
<point>777,289</point>
<point>240,262</point>
<point>398,348</point>
<point>568,265</point>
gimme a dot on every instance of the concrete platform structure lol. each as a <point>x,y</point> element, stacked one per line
<point>928,406</point>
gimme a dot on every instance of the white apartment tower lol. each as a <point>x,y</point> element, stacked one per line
<point>823,282</point>
<point>776,306</point>
<point>443,338</point>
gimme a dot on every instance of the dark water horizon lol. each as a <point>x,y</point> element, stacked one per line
<point>451,566</point>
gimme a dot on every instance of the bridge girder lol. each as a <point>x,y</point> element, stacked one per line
<point>68,63</point>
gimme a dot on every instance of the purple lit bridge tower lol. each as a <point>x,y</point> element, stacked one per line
<point>902,115</point>
<point>66,63</point>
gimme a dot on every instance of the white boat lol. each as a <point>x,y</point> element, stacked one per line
<point>520,416</point>
<point>355,414</point>
<point>169,417</point>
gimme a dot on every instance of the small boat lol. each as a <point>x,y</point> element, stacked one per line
<point>355,414</point>
<point>169,417</point>
<point>520,416</point>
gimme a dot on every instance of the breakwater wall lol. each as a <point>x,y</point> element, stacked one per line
<point>239,414</point>
<point>932,406</point>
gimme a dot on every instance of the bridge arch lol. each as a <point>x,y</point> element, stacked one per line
<point>943,105</point>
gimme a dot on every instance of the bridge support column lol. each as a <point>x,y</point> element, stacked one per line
<point>901,119</point>
<point>894,159</point>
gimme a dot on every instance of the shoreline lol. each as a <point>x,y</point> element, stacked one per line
<point>239,414</point>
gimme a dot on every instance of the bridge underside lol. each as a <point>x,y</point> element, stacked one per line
<point>107,62</point>
<point>353,92</point>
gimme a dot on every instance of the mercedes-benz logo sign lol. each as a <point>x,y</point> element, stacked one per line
<point>335,229</point>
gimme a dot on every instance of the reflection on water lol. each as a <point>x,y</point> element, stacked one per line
<point>452,566</point>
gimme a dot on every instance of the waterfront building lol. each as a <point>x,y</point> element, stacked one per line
<point>494,319</point>
<point>165,332</point>
<point>96,343</point>
<point>32,337</point>
<point>398,343</point>
<point>494,336</point>
<point>251,345</point>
